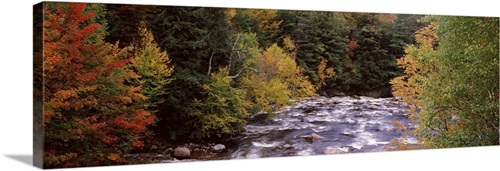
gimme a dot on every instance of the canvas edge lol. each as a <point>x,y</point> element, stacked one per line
<point>38,129</point>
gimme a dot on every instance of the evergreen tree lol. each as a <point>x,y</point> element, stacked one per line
<point>372,60</point>
<point>317,36</point>
<point>197,40</point>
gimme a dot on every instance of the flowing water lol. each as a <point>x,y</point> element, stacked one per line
<point>347,124</point>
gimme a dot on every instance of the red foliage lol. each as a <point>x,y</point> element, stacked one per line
<point>352,45</point>
<point>90,114</point>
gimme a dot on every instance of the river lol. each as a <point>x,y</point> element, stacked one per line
<point>347,124</point>
<point>344,124</point>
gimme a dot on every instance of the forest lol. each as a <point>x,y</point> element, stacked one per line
<point>111,78</point>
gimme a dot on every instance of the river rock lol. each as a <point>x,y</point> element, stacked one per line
<point>312,137</point>
<point>182,152</point>
<point>169,151</point>
<point>373,107</point>
<point>330,150</point>
<point>219,147</point>
<point>153,148</point>
<point>159,156</point>
<point>287,146</point>
<point>355,97</point>
<point>323,93</point>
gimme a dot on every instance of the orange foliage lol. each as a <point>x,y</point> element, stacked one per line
<point>88,108</point>
<point>352,45</point>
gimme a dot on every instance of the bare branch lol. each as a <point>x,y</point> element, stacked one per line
<point>242,69</point>
<point>210,64</point>
<point>231,55</point>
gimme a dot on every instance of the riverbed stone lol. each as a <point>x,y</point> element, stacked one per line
<point>373,107</point>
<point>312,137</point>
<point>182,152</point>
<point>287,146</point>
<point>219,147</point>
<point>169,151</point>
<point>331,150</point>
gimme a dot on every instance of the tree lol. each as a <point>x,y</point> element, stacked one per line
<point>451,82</point>
<point>277,81</point>
<point>258,21</point>
<point>198,42</point>
<point>462,94</point>
<point>222,112</point>
<point>372,59</point>
<point>417,68</point>
<point>125,22</point>
<point>317,36</point>
<point>79,76</point>
<point>152,65</point>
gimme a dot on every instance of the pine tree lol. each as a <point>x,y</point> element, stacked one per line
<point>198,43</point>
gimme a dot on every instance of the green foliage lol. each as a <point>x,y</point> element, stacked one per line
<point>373,61</point>
<point>196,39</point>
<point>245,47</point>
<point>152,65</point>
<point>258,21</point>
<point>277,81</point>
<point>454,86</point>
<point>222,112</point>
<point>462,94</point>
<point>317,36</point>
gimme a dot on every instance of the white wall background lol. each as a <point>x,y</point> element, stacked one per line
<point>16,92</point>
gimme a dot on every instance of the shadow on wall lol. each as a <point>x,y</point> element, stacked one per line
<point>23,158</point>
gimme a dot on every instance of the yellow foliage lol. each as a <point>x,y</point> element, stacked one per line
<point>409,86</point>
<point>324,73</point>
<point>278,79</point>
<point>113,157</point>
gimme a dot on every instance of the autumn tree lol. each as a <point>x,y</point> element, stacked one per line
<point>417,66</point>
<point>462,94</point>
<point>152,66</point>
<point>451,82</point>
<point>80,75</point>
<point>277,80</point>
<point>222,111</point>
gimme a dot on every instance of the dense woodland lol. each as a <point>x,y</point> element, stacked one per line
<point>114,76</point>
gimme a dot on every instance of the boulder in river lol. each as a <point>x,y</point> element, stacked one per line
<point>312,137</point>
<point>357,102</point>
<point>169,151</point>
<point>219,147</point>
<point>331,150</point>
<point>373,107</point>
<point>182,152</point>
<point>287,146</point>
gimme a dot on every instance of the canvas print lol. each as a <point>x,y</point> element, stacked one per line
<point>118,84</point>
